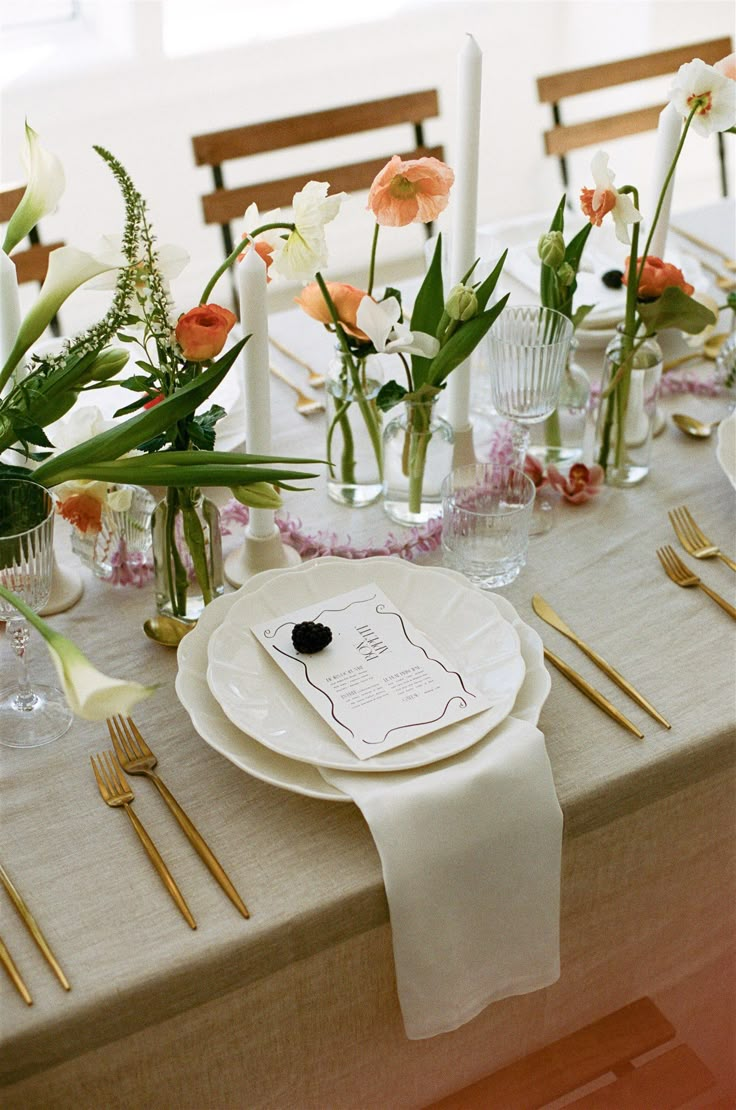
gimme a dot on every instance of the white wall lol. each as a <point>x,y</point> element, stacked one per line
<point>116,86</point>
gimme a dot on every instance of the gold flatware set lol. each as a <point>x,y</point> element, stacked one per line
<point>34,929</point>
<point>133,756</point>
<point>697,544</point>
<point>723,281</point>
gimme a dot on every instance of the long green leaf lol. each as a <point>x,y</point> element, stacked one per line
<point>427,312</point>
<point>215,474</point>
<point>208,458</point>
<point>465,340</point>
<point>130,433</point>
<point>486,287</point>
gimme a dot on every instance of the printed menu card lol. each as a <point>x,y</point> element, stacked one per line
<point>380,682</point>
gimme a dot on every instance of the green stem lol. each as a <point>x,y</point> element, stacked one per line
<point>234,254</point>
<point>420,418</point>
<point>552,430</point>
<point>195,541</point>
<point>372,267</point>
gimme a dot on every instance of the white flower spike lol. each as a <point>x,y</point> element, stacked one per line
<point>380,320</point>
<point>712,94</point>
<point>44,188</point>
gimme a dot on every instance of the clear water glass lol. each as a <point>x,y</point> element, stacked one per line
<point>486,512</point>
<point>30,715</point>
<point>527,351</point>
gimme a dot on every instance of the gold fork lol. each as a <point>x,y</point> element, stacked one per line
<point>695,542</point>
<point>116,792</point>
<point>135,757</point>
<point>307,406</point>
<point>314,379</point>
<point>681,576</point>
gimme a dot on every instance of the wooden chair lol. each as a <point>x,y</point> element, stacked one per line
<point>562,138</point>
<point>214,149</point>
<point>31,263</point>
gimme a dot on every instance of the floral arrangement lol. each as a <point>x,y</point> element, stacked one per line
<point>657,295</point>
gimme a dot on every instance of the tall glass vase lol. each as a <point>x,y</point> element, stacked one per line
<point>559,439</point>
<point>417,456</point>
<point>354,431</point>
<point>187,553</point>
<point>632,369</point>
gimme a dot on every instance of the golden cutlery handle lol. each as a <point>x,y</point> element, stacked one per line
<point>33,928</point>
<point>163,871</point>
<point>287,381</point>
<point>680,361</point>
<point>200,845</point>
<point>725,559</point>
<point>622,683</point>
<point>700,242</point>
<point>718,600</point>
<point>591,692</point>
<point>17,979</point>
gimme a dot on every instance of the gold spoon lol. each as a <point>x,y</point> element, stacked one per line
<point>692,427</point>
<point>710,350</point>
<point>167,631</point>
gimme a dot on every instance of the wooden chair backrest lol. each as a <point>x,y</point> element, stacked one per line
<point>215,148</point>
<point>32,262</point>
<point>551,89</point>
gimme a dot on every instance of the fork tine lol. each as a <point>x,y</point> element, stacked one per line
<point>687,533</point>
<point>134,734</point>
<point>116,740</point>
<point>101,784</point>
<point>700,536</point>
<point>126,738</point>
<point>116,774</point>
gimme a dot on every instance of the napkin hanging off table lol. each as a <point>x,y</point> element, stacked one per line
<point>470,850</point>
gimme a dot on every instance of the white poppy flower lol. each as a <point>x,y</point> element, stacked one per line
<point>380,320</point>
<point>597,203</point>
<point>710,92</point>
<point>304,251</point>
<point>45,185</point>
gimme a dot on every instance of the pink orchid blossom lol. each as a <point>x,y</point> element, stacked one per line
<point>534,470</point>
<point>581,483</point>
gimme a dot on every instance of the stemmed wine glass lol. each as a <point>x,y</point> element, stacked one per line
<point>29,715</point>
<point>527,348</point>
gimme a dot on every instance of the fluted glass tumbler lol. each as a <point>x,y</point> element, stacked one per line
<point>30,715</point>
<point>527,352</point>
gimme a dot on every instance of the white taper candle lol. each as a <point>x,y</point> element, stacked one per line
<point>669,129</point>
<point>465,204</point>
<point>257,385</point>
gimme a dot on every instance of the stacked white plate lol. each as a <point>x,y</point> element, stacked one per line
<point>247,709</point>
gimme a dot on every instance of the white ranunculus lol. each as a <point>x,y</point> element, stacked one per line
<point>44,188</point>
<point>381,322</point>
<point>713,94</point>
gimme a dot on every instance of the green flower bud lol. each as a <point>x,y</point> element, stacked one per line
<point>462,303</point>
<point>106,365</point>
<point>551,249</point>
<point>258,495</point>
<point>565,275</point>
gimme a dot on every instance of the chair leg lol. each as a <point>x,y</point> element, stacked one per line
<point>722,157</point>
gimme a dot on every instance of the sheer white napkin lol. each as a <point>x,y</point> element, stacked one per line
<point>470,850</point>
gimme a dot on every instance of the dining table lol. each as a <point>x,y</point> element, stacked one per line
<point>297,1005</point>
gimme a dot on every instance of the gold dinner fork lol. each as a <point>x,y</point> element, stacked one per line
<point>314,379</point>
<point>681,576</point>
<point>695,542</point>
<point>116,792</point>
<point>306,406</point>
<point>135,757</point>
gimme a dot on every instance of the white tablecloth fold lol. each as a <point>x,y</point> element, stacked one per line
<point>470,850</point>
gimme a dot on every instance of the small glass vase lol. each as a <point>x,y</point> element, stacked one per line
<point>726,365</point>
<point>354,431</point>
<point>187,553</point>
<point>417,456</point>
<point>559,439</point>
<point>626,414</point>
<point>122,533</point>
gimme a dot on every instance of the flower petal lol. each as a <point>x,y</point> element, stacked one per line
<point>45,185</point>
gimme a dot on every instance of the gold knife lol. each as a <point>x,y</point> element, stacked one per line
<point>33,928</point>
<point>591,692</point>
<point>17,979</point>
<point>547,613</point>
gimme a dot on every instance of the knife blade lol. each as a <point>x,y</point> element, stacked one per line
<point>590,692</point>
<point>545,611</point>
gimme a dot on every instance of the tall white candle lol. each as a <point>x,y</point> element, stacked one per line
<point>668,136</point>
<point>257,386</point>
<point>9,307</point>
<point>465,204</point>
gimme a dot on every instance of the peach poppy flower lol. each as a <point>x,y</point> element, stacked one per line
<point>201,332</point>
<point>656,277</point>
<point>410,192</point>
<point>345,298</point>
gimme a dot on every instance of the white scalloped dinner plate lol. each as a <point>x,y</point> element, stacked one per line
<point>302,778</point>
<point>261,700</point>
<point>726,448</point>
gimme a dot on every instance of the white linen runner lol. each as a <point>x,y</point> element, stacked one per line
<point>470,850</point>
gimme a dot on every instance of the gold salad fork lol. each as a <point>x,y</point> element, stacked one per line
<point>681,576</point>
<point>695,542</point>
<point>135,757</point>
<point>116,792</point>
<point>306,406</point>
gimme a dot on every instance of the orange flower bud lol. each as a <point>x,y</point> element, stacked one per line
<point>656,277</point>
<point>345,298</point>
<point>201,332</point>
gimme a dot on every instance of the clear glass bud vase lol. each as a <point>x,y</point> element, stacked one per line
<point>632,368</point>
<point>559,439</point>
<point>417,456</point>
<point>354,431</point>
<point>187,553</point>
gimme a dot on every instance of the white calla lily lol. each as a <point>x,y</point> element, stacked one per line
<point>380,320</point>
<point>44,188</point>
<point>92,695</point>
<point>68,269</point>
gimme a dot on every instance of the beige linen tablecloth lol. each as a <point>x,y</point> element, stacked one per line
<point>297,1007</point>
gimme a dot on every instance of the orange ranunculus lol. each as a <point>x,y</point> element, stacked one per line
<point>201,332</point>
<point>606,204</point>
<point>345,298</point>
<point>410,192</point>
<point>83,511</point>
<point>656,277</point>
